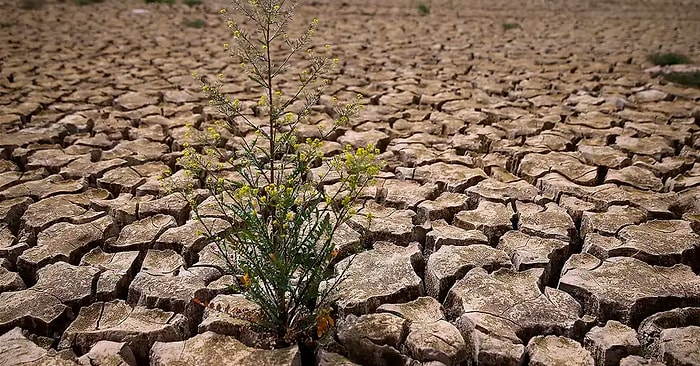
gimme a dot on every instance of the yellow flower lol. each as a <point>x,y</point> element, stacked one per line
<point>246,280</point>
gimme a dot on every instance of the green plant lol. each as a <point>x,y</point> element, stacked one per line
<point>509,26</point>
<point>32,4</point>
<point>665,59</point>
<point>197,23</point>
<point>282,222</point>
<point>684,78</point>
<point>192,2</point>
<point>423,9</point>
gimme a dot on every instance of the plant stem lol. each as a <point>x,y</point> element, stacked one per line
<point>269,96</point>
<point>281,299</point>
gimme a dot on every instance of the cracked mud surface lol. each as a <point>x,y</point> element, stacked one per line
<point>540,203</point>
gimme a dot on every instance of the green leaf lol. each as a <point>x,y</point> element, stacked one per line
<point>257,80</point>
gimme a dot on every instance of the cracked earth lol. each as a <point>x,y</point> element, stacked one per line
<point>540,204</point>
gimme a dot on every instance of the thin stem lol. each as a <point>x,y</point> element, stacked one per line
<point>270,101</point>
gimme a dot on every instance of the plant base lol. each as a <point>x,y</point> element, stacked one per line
<point>308,352</point>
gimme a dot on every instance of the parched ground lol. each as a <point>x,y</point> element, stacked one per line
<point>540,204</point>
